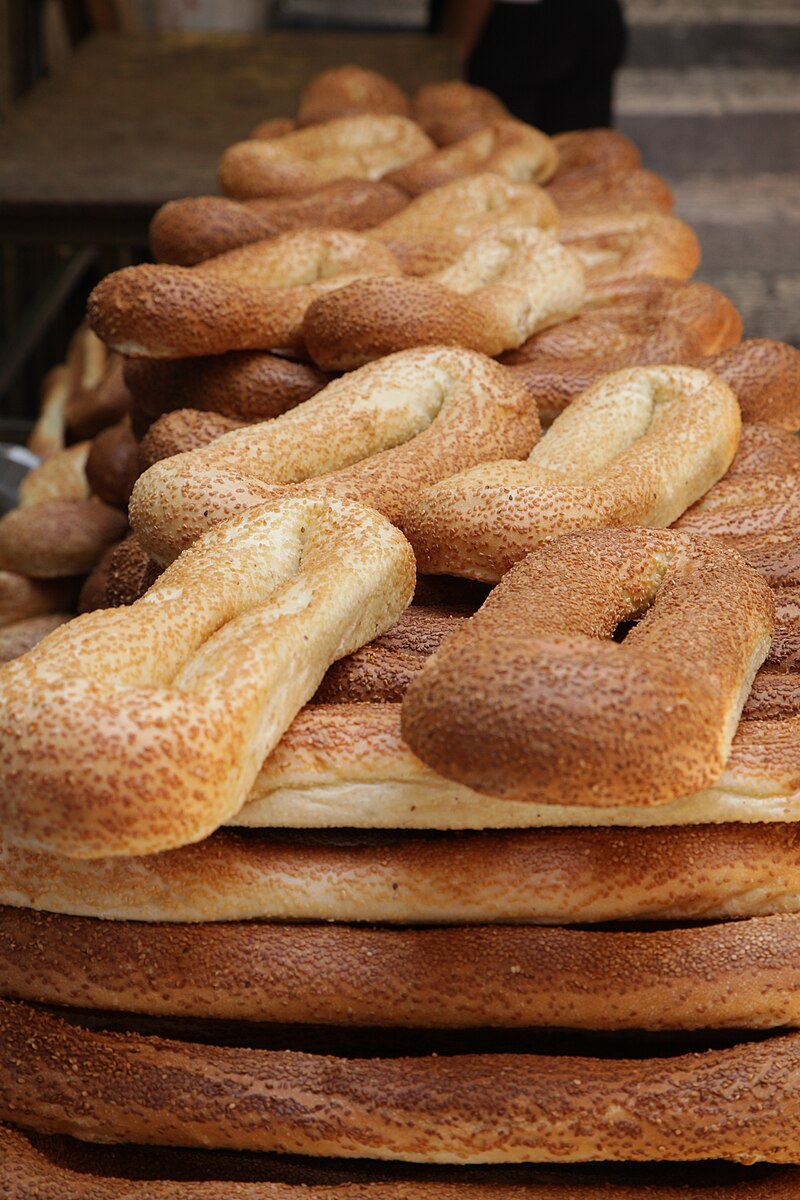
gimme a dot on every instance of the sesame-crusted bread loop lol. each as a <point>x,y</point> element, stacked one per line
<point>532,700</point>
<point>137,728</point>
<point>636,448</point>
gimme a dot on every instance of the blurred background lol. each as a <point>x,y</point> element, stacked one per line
<point>110,107</point>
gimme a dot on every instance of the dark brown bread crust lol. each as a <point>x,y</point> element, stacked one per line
<point>726,1104</point>
<point>39,1167</point>
<point>740,974</point>
<point>526,701</point>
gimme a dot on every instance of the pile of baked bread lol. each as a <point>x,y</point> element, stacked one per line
<point>411,811</point>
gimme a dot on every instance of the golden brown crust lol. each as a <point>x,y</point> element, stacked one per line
<point>546,876</point>
<point>452,110</point>
<point>129,574</point>
<point>345,91</point>
<point>161,713</point>
<point>21,596</point>
<point>740,974</point>
<point>408,419</point>
<point>249,385</point>
<point>46,1168</point>
<point>366,146</point>
<point>431,232</point>
<point>58,538</point>
<point>188,231</point>
<point>505,147</point>
<point>508,283</point>
<point>621,191</point>
<point>462,1109</point>
<point>637,448</point>
<point>178,432</point>
<point>90,410</point>
<point>113,464</point>
<point>381,671</point>
<point>615,245</point>
<point>62,476</point>
<point>252,298</point>
<point>583,152</point>
<point>526,701</point>
<point>765,375</point>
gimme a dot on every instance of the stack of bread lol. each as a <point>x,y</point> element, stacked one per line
<point>412,809</point>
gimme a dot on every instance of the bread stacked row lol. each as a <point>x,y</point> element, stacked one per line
<point>292,867</point>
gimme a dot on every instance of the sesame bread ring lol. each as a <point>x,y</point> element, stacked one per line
<point>189,230</point>
<point>91,410</point>
<point>436,227</point>
<point>510,282</point>
<point>249,385</point>
<point>551,695</point>
<point>252,298</point>
<point>506,147</point>
<point>113,464</point>
<point>637,448</point>
<point>21,636</point>
<point>584,152</point>
<point>61,1169</point>
<point>639,322</point>
<point>62,476</point>
<point>401,422</point>
<point>56,539</point>
<point>345,91</point>
<point>347,765</point>
<point>180,431</point>
<point>740,974</point>
<point>765,375</point>
<point>546,876</point>
<point>630,190</point>
<point>49,431</point>
<point>367,146</point>
<point>466,1108</point>
<point>615,245</point>
<point>132,729</point>
<point>22,596</point>
<point>452,110</point>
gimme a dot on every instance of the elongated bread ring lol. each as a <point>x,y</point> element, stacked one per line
<point>252,298</point>
<point>249,385</point>
<point>619,245</point>
<point>645,321</point>
<point>180,431</point>
<point>346,765</point>
<point>402,421</point>
<point>637,448</point>
<point>190,230</point>
<point>59,1078</point>
<point>510,282</point>
<point>586,152</point>
<point>453,109</point>
<point>544,876</point>
<point>506,147</point>
<point>34,1164</point>
<point>56,539</point>
<point>367,146</point>
<point>742,974</point>
<point>21,636</point>
<point>436,227</point>
<point>630,190</point>
<point>344,91</point>
<point>22,596</point>
<point>62,476</point>
<point>48,433</point>
<point>550,699</point>
<point>133,729</point>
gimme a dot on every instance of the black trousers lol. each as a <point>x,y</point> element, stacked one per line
<point>552,63</point>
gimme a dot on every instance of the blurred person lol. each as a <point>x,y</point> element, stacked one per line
<point>551,62</point>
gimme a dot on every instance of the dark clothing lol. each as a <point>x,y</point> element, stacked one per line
<point>552,63</point>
